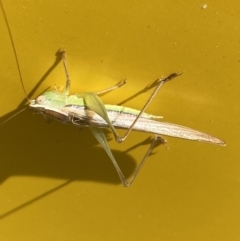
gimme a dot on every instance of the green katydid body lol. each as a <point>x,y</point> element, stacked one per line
<point>73,109</point>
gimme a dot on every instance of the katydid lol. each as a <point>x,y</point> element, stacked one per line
<point>87,110</point>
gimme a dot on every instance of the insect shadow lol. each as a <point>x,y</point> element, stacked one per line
<point>143,91</point>
<point>22,104</point>
<point>31,147</point>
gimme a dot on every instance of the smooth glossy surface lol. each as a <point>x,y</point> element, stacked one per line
<point>58,184</point>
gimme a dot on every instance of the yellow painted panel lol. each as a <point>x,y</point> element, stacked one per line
<point>56,181</point>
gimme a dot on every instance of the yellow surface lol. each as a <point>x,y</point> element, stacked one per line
<point>58,184</point>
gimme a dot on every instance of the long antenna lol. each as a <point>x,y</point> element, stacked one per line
<point>14,49</point>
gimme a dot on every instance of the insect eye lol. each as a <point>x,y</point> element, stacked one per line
<point>40,99</point>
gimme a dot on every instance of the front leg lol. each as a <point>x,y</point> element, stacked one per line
<point>68,80</point>
<point>118,85</point>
